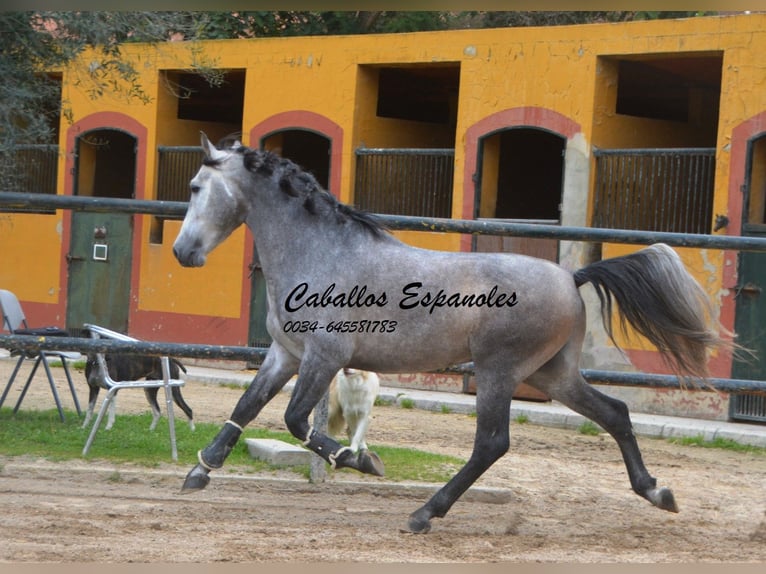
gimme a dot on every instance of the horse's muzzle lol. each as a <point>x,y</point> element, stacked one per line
<point>190,258</point>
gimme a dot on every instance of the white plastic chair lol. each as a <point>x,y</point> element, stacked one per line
<point>113,386</point>
<point>15,323</point>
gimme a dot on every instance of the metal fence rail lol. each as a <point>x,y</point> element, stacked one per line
<point>13,200</point>
<point>32,343</point>
<point>168,208</point>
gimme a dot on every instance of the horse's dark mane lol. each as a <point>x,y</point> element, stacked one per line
<point>302,185</point>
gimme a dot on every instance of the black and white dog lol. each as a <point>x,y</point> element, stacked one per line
<point>352,395</point>
<point>133,368</point>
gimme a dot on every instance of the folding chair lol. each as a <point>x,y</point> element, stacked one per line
<point>113,386</point>
<point>13,319</point>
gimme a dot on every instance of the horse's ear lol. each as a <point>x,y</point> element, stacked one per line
<point>210,151</point>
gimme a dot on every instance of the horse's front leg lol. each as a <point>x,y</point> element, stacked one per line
<point>313,382</point>
<point>276,370</point>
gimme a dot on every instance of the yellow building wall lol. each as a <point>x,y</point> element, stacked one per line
<point>563,69</point>
<point>30,256</point>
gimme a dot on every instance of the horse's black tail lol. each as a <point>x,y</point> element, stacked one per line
<point>658,297</point>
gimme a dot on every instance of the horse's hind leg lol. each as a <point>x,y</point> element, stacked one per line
<point>276,370</point>
<point>493,408</point>
<point>566,384</point>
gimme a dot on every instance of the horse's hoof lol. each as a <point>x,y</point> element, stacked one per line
<point>663,498</point>
<point>370,463</point>
<point>197,479</point>
<point>418,523</point>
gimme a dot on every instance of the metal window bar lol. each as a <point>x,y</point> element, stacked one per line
<point>405,181</point>
<point>176,166</point>
<point>36,169</point>
<point>654,189</point>
<point>747,407</point>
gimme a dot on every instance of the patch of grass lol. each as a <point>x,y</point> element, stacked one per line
<point>722,443</point>
<point>406,464</point>
<point>522,419</point>
<point>589,428</point>
<point>381,402</point>
<point>234,386</point>
<point>78,365</point>
<point>407,403</point>
<point>42,434</point>
<point>445,409</point>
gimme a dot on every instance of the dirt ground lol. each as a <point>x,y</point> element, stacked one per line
<point>557,496</point>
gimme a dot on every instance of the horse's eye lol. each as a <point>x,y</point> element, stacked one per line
<point>194,188</point>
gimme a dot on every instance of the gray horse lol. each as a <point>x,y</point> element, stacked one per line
<point>343,292</point>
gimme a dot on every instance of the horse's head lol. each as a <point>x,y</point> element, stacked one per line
<point>216,207</point>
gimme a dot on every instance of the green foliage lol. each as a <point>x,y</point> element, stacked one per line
<point>41,433</point>
<point>522,419</point>
<point>223,25</point>
<point>35,47</point>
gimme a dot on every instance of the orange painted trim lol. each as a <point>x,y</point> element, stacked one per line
<point>303,119</point>
<point>98,121</point>
<point>527,116</point>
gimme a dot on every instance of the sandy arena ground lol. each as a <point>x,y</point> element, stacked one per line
<point>557,496</point>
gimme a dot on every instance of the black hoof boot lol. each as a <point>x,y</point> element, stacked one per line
<point>364,461</point>
<point>197,479</point>
<point>370,463</point>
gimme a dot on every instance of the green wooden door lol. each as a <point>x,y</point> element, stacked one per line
<point>750,321</point>
<point>750,307</point>
<point>100,252</point>
<point>99,270</point>
<point>750,294</point>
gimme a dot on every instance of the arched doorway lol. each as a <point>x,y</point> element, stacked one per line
<point>100,249</point>
<point>520,178</point>
<point>309,149</point>
<point>312,151</point>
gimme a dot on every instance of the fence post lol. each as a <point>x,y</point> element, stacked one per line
<point>318,470</point>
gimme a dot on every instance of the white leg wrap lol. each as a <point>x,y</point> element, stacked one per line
<point>308,437</point>
<point>232,423</point>
<point>202,462</point>
<point>336,454</point>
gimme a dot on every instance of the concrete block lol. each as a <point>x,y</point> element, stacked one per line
<point>277,452</point>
